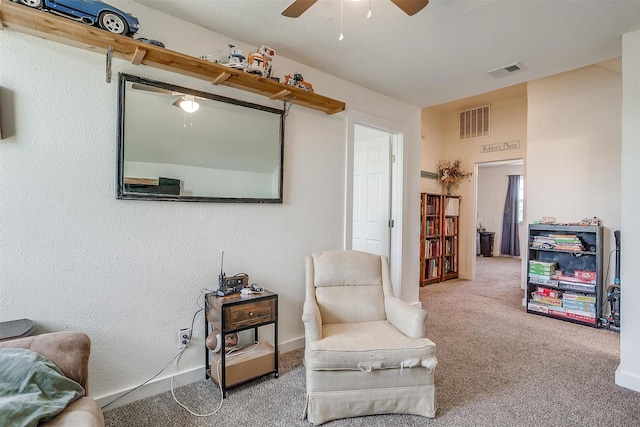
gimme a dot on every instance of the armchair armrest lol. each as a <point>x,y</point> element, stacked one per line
<point>312,321</point>
<point>68,350</point>
<point>406,318</point>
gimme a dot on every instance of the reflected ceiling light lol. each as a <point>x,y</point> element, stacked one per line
<point>188,104</point>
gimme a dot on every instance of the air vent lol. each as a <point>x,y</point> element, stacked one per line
<point>505,70</point>
<point>474,123</point>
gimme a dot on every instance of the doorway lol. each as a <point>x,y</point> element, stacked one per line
<point>372,164</point>
<point>373,217</point>
<point>491,191</point>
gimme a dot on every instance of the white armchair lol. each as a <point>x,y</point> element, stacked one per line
<point>365,349</point>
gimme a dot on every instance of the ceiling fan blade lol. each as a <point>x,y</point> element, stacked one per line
<point>411,7</point>
<point>176,103</point>
<point>297,8</point>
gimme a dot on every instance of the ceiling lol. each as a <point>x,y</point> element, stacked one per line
<point>440,54</point>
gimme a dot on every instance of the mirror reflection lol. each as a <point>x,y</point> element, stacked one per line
<point>176,143</point>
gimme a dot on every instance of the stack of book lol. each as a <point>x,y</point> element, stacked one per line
<point>540,272</point>
<point>543,242</point>
<point>576,306</point>
<point>569,298</point>
<point>577,282</point>
<point>567,242</point>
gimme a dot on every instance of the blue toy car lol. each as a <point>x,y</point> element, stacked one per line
<point>90,12</point>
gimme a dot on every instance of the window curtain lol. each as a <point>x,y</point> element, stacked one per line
<point>510,242</point>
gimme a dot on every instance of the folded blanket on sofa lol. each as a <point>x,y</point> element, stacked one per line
<point>32,388</point>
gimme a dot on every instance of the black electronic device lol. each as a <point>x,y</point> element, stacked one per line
<point>237,282</point>
<point>229,285</point>
<point>223,290</point>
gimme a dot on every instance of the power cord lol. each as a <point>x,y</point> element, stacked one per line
<point>231,353</point>
<point>176,357</point>
<point>185,406</point>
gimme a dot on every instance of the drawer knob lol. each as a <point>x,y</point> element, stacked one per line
<point>251,313</point>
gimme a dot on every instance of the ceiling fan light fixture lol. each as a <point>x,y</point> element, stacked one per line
<point>189,104</point>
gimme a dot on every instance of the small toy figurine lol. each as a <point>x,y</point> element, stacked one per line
<point>260,61</point>
<point>236,58</point>
<point>296,80</point>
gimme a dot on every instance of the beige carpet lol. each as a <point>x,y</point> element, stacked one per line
<point>498,366</point>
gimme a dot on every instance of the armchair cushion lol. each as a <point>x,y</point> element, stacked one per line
<point>368,346</point>
<point>346,304</point>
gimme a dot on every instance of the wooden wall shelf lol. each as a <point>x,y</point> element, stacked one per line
<point>66,31</point>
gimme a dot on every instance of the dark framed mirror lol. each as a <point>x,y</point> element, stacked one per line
<point>181,144</point>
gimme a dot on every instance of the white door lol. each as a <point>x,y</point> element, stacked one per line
<point>371,190</point>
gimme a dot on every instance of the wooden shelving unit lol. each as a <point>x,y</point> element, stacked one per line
<point>45,25</point>
<point>439,237</point>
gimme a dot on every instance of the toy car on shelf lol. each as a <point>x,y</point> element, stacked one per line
<point>90,12</point>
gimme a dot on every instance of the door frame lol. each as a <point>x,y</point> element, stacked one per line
<point>396,130</point>
<point>471,223</point>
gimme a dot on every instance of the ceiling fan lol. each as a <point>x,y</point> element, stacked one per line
<point>298,7</point>
<point>185,101</point>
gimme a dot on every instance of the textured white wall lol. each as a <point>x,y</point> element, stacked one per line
<point>628,374</point>
<point>573,155</point>
<point>130,273</point>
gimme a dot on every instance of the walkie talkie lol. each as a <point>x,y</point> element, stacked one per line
<point>222,288</point>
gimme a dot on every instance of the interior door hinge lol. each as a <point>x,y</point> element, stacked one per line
<point>391,223</point>
<point>392,158</point>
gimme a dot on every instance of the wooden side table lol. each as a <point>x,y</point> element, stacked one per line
<point>235,313</point>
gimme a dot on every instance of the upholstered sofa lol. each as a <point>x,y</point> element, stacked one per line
<point>365,349</point>
<point>69,351</point>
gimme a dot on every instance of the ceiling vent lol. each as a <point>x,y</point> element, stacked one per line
<point>505,70</point>
<point>474,123</point>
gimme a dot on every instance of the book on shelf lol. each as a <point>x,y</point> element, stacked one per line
<point>542,263</point>
<point>538,307</point>
<point>584,316</point>
<point>578,297</point>
<point>542,280</point>
<point>553,293</point>
<point>589,307</point>
<point>556,302</point>
<point>565,238</point>
<point>573,279</point>
<point>573,286</point>
<point>545,268</point>
<point>586,274</point>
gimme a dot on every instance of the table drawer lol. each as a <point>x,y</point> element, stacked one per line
<point>249,314</point>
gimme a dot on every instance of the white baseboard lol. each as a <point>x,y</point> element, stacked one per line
<point>160,385</point>
<point>157,386</point>
<point>288,346</point>
<point>626,380</point>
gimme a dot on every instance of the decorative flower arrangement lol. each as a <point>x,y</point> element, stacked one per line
<point>450,174</point>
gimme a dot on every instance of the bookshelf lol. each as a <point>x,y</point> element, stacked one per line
<point>439,237</point>
<point>564,273</point>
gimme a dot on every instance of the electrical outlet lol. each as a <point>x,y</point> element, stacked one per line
<point>183,337</point>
